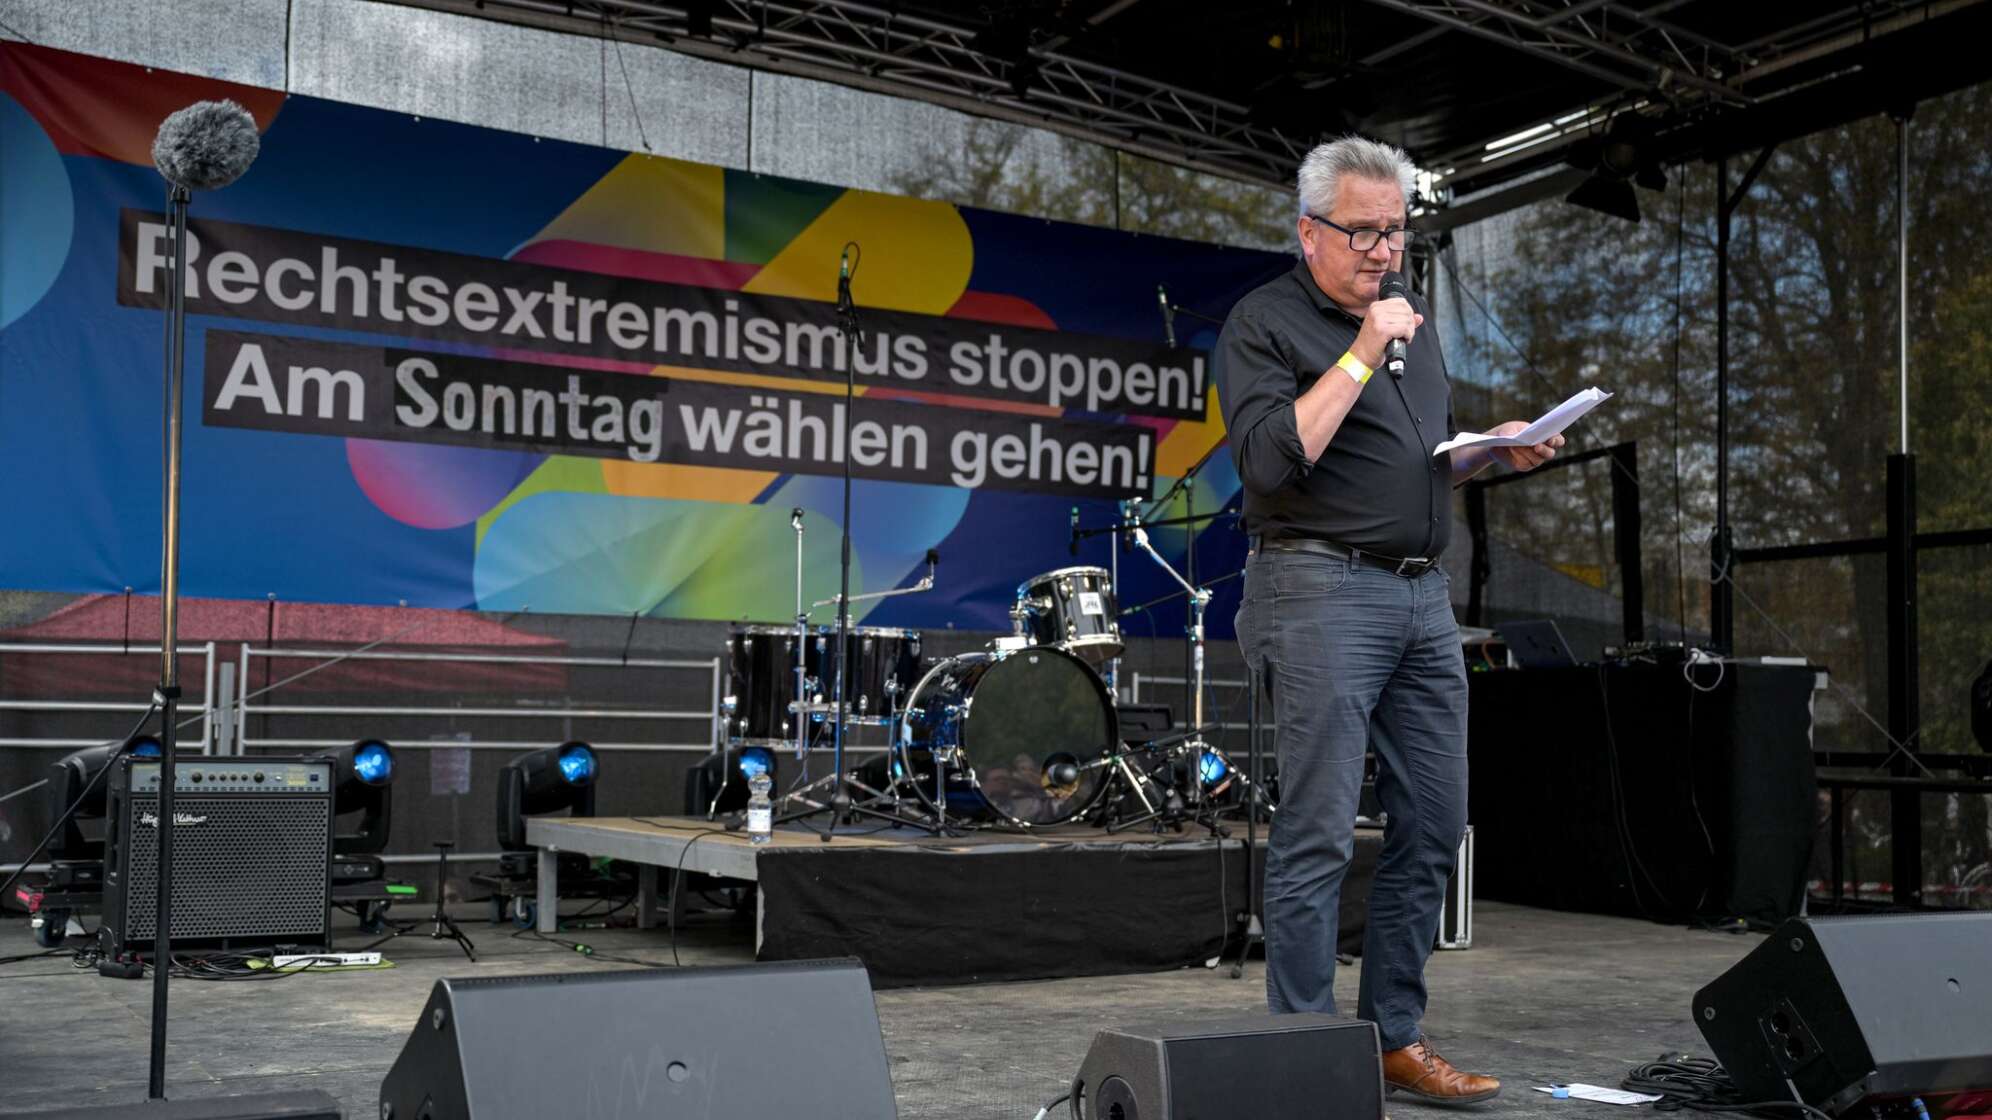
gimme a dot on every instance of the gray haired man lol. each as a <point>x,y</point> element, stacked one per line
<point>1346,614</point>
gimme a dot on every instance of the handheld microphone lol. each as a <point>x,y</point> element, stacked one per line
<point>1392,286</point>
<point>933,557</point>
<point>206,145</point>
<point>1168,315</point>
<point>1073,547</point>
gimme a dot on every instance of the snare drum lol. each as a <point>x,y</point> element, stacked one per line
<point>1072,609</point>
<point>1017,737</point>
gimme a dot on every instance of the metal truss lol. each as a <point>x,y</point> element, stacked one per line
<point>872,47</point>
<point>1658,66</point>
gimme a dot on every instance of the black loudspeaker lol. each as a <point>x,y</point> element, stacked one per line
<point>308,1105</point>
<point>1265,1067</point>
<point>765,1040</point>
<point>1837,1011</point>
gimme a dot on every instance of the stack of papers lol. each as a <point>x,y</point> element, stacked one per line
<point>1551,423</point>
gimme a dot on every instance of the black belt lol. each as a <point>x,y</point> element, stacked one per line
<point>1408,567</point>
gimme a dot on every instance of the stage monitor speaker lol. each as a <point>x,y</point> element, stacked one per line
<point>252,854</point>
<point>1835,1011</point>
<point>309,1104</point>
<point>1266,1067</point>
<point>792,1039</point>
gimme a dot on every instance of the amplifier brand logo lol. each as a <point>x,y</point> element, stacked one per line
<point>180,820</point>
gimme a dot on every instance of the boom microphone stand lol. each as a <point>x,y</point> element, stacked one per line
<point>205,146</point>
<point>840,804</point>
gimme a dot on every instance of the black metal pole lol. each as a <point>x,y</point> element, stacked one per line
<point>840,797</point>
<point>1722,600</point>
<point>1190,618</point>
<point>1255,929</point>
<point>1904,696</point>
<point>1483,564</point>
<point>169,630</point>
<point>1626,537</point>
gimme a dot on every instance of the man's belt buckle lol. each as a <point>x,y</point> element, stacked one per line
<point>1412,566</point>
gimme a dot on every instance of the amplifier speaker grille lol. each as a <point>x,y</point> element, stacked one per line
<point>242,867</point>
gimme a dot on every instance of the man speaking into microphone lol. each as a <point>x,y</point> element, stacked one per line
<point>1346,613</point>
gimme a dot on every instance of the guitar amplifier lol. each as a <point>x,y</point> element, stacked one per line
<point>252,854</point>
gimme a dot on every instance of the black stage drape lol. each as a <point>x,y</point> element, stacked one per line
<point>996,909</point>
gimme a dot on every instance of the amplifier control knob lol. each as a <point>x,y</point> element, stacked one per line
<point>258,776</point>
<point>197,776</point>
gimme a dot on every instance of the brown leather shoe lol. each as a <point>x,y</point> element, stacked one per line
<point>1418,1072</point>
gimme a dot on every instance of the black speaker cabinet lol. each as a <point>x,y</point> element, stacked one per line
<point>1262,1067</point>
<point>793,1039</point>
<point>252,854</point>
<point>1840,1010</point>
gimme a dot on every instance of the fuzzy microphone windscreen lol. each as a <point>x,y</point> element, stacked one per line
<point>206,145</point>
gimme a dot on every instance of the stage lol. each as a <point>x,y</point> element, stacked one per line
<point>1541,996</point>
<point>1068,900</point>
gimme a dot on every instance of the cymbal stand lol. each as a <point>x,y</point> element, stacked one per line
<point>1199,600</point>
<point>801,640</point>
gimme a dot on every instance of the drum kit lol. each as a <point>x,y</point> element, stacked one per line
<point>1024,734</point>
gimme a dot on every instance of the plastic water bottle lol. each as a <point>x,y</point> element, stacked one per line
<point>760,810</point>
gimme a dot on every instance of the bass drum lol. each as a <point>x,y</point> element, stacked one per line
<point>1012,736</point>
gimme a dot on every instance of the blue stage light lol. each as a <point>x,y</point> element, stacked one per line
<point>577,763</point>
<point>374,762</point>
<point>755,761</point>
<point>145,746</point>
<point>1212,770</point>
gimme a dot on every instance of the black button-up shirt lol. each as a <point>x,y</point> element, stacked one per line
<point>1377,487</point>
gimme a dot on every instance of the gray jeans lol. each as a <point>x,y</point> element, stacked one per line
<point>1357,657</point>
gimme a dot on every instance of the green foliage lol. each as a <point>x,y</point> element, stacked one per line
<point>1001,166</point>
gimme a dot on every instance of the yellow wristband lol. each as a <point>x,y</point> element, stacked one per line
<point>1354,367</point>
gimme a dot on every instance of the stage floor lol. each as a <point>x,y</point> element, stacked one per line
<point>1541,996</point>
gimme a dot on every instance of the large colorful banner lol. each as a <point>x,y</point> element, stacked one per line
<point>456,367</point>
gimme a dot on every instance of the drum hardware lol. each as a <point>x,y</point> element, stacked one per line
<point>1162,802</point>
<point>1199,601</point>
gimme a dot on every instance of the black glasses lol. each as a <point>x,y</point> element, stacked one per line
<point>1363,240</point>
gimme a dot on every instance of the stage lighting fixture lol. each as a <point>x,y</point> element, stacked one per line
<point>718,782</point>
<point>1213,771</point>
<point>1607,196</point>
<point>1618,161</point>
<point>69,777</point>
<point>545,781</point>
<point>363,782</point>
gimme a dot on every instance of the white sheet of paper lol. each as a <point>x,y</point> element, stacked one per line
<point>1548,424</point>
<point>1603,1095</point>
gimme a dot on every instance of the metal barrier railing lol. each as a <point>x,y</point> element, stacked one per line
<point>248,707</point>
<point>1135,681</point>
<point>206,706</point>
